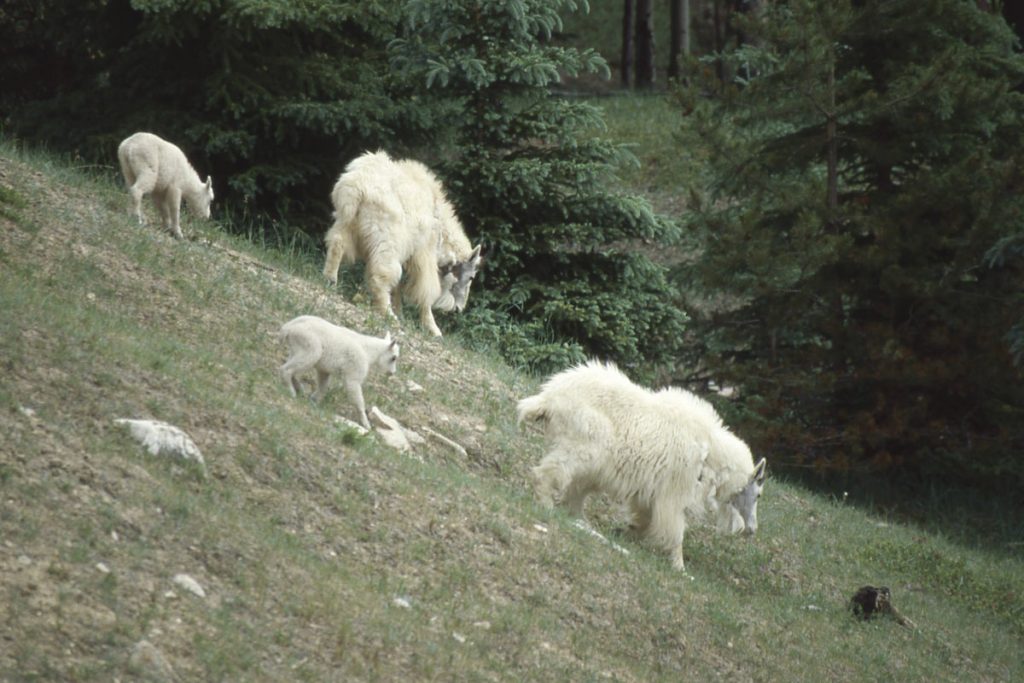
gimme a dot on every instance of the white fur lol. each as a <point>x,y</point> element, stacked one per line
<point>153,165</point>
<point>334,350</point>
<point>394,215</point>
<point>664,453</point>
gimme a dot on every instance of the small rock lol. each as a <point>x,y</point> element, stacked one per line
<point>446,441</point>
<point>189,584</point>
<point>414,437</point>
<point>24,560</point>
<point>396,439</point>
<point>392,431</point>
<point>413,387</point>
<point>102,567</point>
<point>583,526</point>
<point>344,421</point>
<point>541,528</point>
<point>26,411</point>
<point>458,637</point>
<point>401,602</point>
<point>149,663</point>
<point>485,625</point>
<point>160,438</point>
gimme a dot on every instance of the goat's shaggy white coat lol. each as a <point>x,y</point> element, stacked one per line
<point>393,215</point>
<point>150,164</point>
<point>665,453</point>
<point>334,350</point>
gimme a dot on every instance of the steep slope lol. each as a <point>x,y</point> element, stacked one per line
<point>327,556</point>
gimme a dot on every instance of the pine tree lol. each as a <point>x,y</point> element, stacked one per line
<point>863,162</point>
<point>563,258</point>
<point>269,97</point>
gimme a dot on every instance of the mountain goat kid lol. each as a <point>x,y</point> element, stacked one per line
<point>331,349</point>
<point>152,165</point>
<point>665,453</point>
<point>393,215</point>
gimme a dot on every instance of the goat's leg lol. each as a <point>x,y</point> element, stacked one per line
<point>354,389</point>
<point>335,253</point>
<point>428,322</point>
<point>323,380</point>
<point>172,198</point>
<point>666,531</point>
<point>383,276</point>
<point>143,184</point>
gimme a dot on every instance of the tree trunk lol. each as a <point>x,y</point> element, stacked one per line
<point>644,44</point>
<point>679,35</point>
<point>626,64</point>
<point>838,337</point>
<point>718,32</point>
<point>833,148</point>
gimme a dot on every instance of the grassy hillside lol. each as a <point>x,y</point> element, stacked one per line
<point>325,556</point>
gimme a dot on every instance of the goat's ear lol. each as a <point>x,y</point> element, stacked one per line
<point>475,257</point>
<point>760,471</point>
<point>387,337</point>
<point>209,182</point>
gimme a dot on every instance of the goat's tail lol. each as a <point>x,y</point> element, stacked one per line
<point>125,162</point>
<point>531,408</point>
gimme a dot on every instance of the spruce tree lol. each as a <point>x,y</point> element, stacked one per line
<point>862,164</point>
<point>269,97</point>
<point>563,277</point>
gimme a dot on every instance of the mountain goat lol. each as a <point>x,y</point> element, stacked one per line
<point>152,165</point>
<point>331,349</point>
<point>393,215</point>
<point>665,453</point>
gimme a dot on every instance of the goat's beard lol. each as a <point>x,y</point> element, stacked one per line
<point>445,302</point>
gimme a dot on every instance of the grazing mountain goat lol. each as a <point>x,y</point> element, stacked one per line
<point>394,214</point>
<point>151,164</point>
<point>315,343</point>
<point>666,453</point>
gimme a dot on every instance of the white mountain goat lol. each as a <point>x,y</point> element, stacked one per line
<point>334,350</point>
<point>152,165</point>
<point>393,215</point>
<point>665,453</point>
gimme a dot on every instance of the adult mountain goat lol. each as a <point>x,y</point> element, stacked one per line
<point>150,164</point>
<point>665,453</point>
<point>393,215</point>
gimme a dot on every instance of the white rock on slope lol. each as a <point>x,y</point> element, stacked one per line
<point>160,438</point>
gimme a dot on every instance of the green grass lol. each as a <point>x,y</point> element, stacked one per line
<point>646,124</point>
<point>303,536</point>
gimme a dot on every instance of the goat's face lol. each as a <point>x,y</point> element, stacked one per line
<point>743,506</point>
<point>456,281</point>
<point>200,203</point>
<point>388,359</point>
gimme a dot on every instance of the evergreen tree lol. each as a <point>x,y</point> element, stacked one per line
<point>863,163</point>
<point>560,240</point>
<point>270,97</point>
